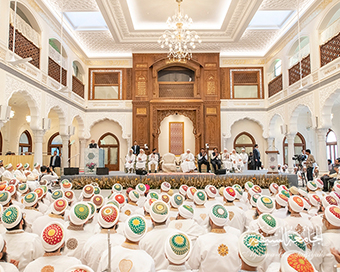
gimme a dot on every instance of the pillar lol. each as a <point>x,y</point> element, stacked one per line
<point>321,157</point>
<point>290,140</point>
<point>65,158</point>
<point>82,146</point>
<point>270,147</point>
<point>38,145</point>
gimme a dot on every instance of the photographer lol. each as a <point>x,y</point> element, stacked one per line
<point>310,165</point>
<point>48,175</point>
<point>328,179</point>
<point>203,159</point>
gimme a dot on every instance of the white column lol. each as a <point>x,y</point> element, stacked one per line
<point>270,147</point>
<point>38,146</point>
<point>290,140</point>
<point>82,146</point>
<point>321,158</point>
<point>64,158</point>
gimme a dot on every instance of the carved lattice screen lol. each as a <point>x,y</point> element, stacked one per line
<point>176,138</point>
<point>77,86</point>
<point>54,71</point>
<point>23,47</point>
<point>176,90</point>
<point>330,50</point>
<point>275,85</point>
<point>294,72</point>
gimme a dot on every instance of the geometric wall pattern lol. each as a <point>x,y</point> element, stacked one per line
<point>275,85</point>
<point>330,50</point>
<point>54,71</point>
<point>176,138</point>
<point>294,72</point>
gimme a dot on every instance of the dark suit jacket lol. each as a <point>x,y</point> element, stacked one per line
<point>256,154</point>
<point>93,145</point>
<point>135,149</point>
<point>57,162</point>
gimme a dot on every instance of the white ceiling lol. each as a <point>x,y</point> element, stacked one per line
<point>230,27</point>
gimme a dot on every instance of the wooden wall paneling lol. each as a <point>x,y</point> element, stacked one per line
<point>140,119</point>
<point>225,83</point>
<point>212,124</point>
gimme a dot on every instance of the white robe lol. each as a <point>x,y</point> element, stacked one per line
<point>237,218</point>
<point>19,175</point>
<point>2,170</point>
<point>291,222</point>
<point>187,162</point>
<point>141,161</point>
<point>176,268</point>
<point>153,159</point>
<point>153,243</point>
<point>75,241</point>
<point>7,175</point>
<point>236,161</point>
<point>188,226</point>
<point>8,267</point>
<point>31,216</point>
<point>96,246</point>
<point>215,252</point>
<point>129,210</point>
<point>130,161</point>
<point>227,163</point>
<point>59,263</point>
<point>201,216</point>
<point>41,222</point>
<point>137,260</point>
<point>244,158</point>
<point>23,247</point>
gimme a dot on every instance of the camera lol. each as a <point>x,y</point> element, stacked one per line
<point>300,158</point>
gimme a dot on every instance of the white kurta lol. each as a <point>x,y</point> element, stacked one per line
<point>153,160</point>
<point>130,161</point>
<point>273,255</point>
<point>129,210</point>
<point>237,217</point>
<point>41,222</point>
<point>291,223</point>
<point>133,260</point>
<point>201,216</point>
<point>75,241</point>
<point>23,247</point>
<point>227,163</point>
<point>59,263</point>
<point>31,216</point>
<point>7,175</point>
<point>187,162</point>
<point>215,252</point>
<point>2,170</point>
<point>153,243</point>
<point>188,226</point>
<point>280,213</point>
<point>244,158</point>
<point>8,267</point>
<point>141,161</point>
<point>96,246</point>
<point>176,268</point>
<point>19,175</point>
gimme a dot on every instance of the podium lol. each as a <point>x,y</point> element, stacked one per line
<point>94,158</point>
<point>273,161</point>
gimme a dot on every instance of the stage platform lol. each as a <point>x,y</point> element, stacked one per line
<point>177,178</point>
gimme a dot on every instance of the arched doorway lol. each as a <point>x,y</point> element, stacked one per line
<point>109,142</point>
<point>332,146</point>
<point>244,140</point>
<point>55,143</point>
<point>299,145</point>
<point>25,143</point>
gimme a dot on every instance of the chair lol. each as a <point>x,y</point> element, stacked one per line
<point>169,163</point>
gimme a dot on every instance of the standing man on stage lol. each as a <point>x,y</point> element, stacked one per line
<point>93,144</point>
<point>309,164</point>
<point>257,157</point>
<point>135,148</point>
<point>244,158</point>
<point>55,160</point>
<point>215,159</point>
<point>203,159</point>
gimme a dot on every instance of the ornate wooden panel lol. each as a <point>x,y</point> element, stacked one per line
<point>211,81</point>
<point>128,82</point>
<point>54,71</point>
<point>141,79</point>
<point>77,86</point>
<point>246,77</point>
<point>330,50</point>
<point>275,85</point>
<point>212,125</point>
<point>294,72</point>
<point>176,138</point>
<point>141,123</point>
<point>23,47</point>
<point>176,90</point>
<point>109,78</point>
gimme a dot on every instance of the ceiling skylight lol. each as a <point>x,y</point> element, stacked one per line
<point>270,19</point>
<point>86,21</point>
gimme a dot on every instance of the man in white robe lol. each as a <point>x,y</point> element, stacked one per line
<point>36,170</point>
<point>130,159</point>
<point>21,246</point>
<point>227,163</point>
<point>216,250</point>
<point>236,161</point>
<point>129,255</point>
<point>187,162</point>
<point>244,158</point>
<point>53,240</point>
<point>19,173</point>
<point>30,202</point>
<point>237,217</point>
<point>7,265</point>
<point>141,160</point>
<point>8,174</point>
<point>153,160</point>
<point>2,168</point>
<point>154,241</point>
<point>97,244</point>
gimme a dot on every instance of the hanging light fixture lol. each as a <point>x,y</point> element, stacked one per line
<point>178,38</point>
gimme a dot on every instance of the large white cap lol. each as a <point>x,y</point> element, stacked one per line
<point>265,204</point>
<point>53,236</point>
<point>314,199</point>
<point>200,197</point>
<point>296,203</point>
<point>135,228</point>
<point>176,200</point>
<point>191,192</point>
<point>267,223</point>
<point>183,189</point>
<point>186,211</point>
<point>108,216</point>
<point>80,213</point>
<point>133,195</point>
<point>291,240</point>
<point>332,214</point>
<point>159,211</point>
<point>178,248</point>
<point>295,261</point>
<point>211,191</point>
<point>252,248</point>
<point>281,199</point>
<point>229,193</point>
<point>11,217</point>
<point>165,186</point>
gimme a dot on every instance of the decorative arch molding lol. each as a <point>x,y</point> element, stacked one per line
<point>81,125</point>
<point>62,118</point>
<point>327,98</point>
<point>329,11</point>
<point>31,95</point>
<point>235,117</point>
<point>272,122</point>
<point>293,129</point>
<point>187,113</point>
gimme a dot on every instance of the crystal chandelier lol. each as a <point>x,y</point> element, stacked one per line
<point>179,39</point>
